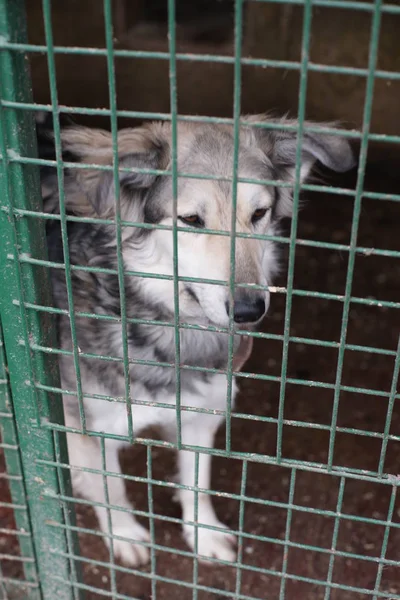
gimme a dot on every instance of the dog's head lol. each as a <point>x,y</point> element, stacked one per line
<point>205,157</point>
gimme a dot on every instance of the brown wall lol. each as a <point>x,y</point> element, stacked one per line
<point>339,37</point>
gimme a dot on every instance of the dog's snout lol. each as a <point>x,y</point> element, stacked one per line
<point>247,310</point>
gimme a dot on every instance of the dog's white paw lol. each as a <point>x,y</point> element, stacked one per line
<point>212,543</point>
<point>128,550</point>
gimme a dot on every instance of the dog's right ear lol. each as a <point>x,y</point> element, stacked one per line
<point>280,147</point>
<point>140,151</point>
<point>133,183</point>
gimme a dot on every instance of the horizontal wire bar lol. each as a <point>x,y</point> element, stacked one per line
<point>23,258</point>
<point>302,465</point>
<point>189,554</point>
<point>244,416</point>
<point>12,557</point>
<point>104,112</point>
<point>13,506</point>
<point>273,182</point>
<point>346,4</point>
<point>368,251</point>
<point>219,591</point>
<point>259,376</point>
<point>6,531</point>
<point>238,533</point>
<point>241,416</point>
<point>247,536</point>
<point>316,426</point>
<point>208,492</point>
<point>155,577</point>
<point>236,415</point>
<point>192,326</point>
<point>13,157</point>
<point>191,57</point>
<point>8,447</point>
<point>269,125</point>
<point>19,582</point>
<point>9,477</point>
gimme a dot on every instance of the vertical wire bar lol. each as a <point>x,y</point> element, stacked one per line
<point>11,244</point>
<point>153,563</point>
<point>385,542</point>
<point>335,534</point>
<point>389,414</point>
<point>113,581</point>
<point>61,192</point>
<point>14,467</point>
<point>118,233</point>
<point>287,534</point>
<point>19,188</point>
<point>236,139</point>
<point>70,522</point>
<point>196,528</point>
<point>174,168</point>
<point>372,60</point>
<point>4,594</point>
<point>305,48</point>
<point>239,568</point>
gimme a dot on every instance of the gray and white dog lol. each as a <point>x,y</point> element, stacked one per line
<point>203,150</point>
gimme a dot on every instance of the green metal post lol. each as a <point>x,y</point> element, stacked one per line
<point>30,585</point>
<point>19,189</point>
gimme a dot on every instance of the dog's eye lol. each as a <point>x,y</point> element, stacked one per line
<point>192,220</point>
<point>258,214</point>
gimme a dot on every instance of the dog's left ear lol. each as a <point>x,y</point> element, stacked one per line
<point>280,146</point>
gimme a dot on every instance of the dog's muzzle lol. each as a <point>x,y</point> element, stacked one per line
<point>247,309</point>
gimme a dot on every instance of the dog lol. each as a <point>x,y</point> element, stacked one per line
<point>146,198</point>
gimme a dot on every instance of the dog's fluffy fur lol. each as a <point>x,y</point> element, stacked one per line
<point>204,150</point>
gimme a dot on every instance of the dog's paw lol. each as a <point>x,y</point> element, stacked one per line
<point>128,550</point>
<point>212,543</point>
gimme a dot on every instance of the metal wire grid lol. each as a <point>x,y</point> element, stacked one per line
<point>32,352</point>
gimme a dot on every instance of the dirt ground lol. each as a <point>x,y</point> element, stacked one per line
<point>325,217</point>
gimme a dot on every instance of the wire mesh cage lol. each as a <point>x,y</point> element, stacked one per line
<point>306,471</point>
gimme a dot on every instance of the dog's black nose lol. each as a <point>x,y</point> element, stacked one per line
<point>248,311</point>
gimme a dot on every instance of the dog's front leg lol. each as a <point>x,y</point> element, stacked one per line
<point>117,518</point>
<point>213,538</point>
